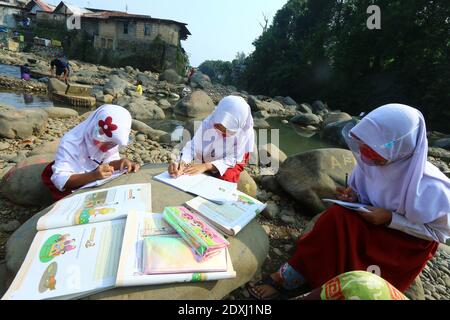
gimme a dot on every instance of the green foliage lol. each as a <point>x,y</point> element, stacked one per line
<point>226,72</point>
<point>322,49</point>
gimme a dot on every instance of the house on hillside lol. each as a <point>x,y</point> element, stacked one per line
<point>38,5</point>
<point>8,11</point>
<point>118,38</point>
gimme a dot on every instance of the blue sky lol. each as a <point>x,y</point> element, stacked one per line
<point>220,28</point>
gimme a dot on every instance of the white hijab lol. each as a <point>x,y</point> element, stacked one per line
<point>77,151</point>
<point>235,115</point>
<point>410,186</point>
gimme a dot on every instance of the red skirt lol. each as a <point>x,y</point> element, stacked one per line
<point>46,179</point>
<point>233,174</point>
<point>342,241</point>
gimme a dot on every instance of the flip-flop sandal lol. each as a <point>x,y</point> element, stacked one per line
<point>267,280</point>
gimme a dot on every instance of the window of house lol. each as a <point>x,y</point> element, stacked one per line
<point>109,44</point>
<point>147,29</point>
<point>103,43</point>
<point>125,28</point>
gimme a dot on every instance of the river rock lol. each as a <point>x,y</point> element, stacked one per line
<point>271,211</point>
<point>247,185</point>
<point>439,153</point>
<point>116,86</point>
<point>164,104</point>
<point>22,123</point>
<point>55,85</point>
<point>270,155</point>
<point>415,291</point>
<point>335,117</point>
<point>45,148</point>
<point>170,76</point>
<point>10,226</point>
<point>60,113</point>
<point>319,108</point>
<point>269,105</point>
<point>288,101</point>
<point>332,133</point>
<point>155,135</point>
<point>304,108</point>
<point>200,80</point>
<point>145,110</point>
<point>104,98</point>
<point>442,143</point>
<point>23,185</point>
<point>270,183</point>
<point>305,119</point>
<point>248,249</point>
<point>260,123</point>
<point>197,105</point>
<point>4,145</point>
<point>311,176</point>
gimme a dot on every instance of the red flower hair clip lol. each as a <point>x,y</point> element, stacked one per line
<point>107,126</point>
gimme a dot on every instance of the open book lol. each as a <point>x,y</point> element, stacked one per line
<point>213,189</point>
<point>349,205</point>
<point>231,216</point>
<point>77,261</point>
<point>98,205</point>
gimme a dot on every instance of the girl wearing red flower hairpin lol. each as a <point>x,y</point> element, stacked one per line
<point>90,151</point>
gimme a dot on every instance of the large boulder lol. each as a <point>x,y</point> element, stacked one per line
<point>319,108</point>
<point>170,76</point>
<point>247,185</point>
<point>269,105</point>
<point>56,112</point>
<point>23,185</point>
<point>197,105</point>
<point>442,143</point>
<point>311,176</point>
<point>200,80</point>
<point>248,249</point>
<point>270,155</point>
<point>153,134</point>
<point>74,89</point>
<point>116,86</point>
<point>22,123</point>
<point>335,117</point>
<point>145,110</point>
<point>304,108</point>
<point>55,85</point>
<point>260,123</point>
<point>45,148</point>
<point>305,119</point>
<point>332,133</point>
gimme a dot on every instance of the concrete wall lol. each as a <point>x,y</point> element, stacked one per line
<point>51,18</point>
<point>169,33</point>
<point>7,16</point>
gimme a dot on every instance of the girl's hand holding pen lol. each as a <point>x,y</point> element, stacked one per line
<point>104,171</point>
<point>346,194</point>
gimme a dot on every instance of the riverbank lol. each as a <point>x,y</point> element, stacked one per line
<point>284,221</point>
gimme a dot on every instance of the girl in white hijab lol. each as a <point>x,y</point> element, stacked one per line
<point>410,202</point>
<point>222,143</point>
<point>90,151</point>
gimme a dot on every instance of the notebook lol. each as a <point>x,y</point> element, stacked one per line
<point>349,205</point>
<point>230,217</point>
<point>171,254</point>
<point>213,189</point>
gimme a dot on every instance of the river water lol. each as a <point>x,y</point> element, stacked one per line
<point>289,140</point>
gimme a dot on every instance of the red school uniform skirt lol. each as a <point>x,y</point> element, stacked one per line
<point>342,241</point>
<point>233,174</point>
<point>46,179</point>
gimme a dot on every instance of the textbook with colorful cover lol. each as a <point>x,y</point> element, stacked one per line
<point>98,205</point>
<point>213,189</point>
<point>200,236</point>
<point>230,217</point>
<point>76,249</point>
<point>77,261</point>
<point>153,253</point>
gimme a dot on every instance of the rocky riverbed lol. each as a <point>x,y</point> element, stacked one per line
<point>284,220</point>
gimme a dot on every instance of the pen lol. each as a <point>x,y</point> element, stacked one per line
<point>346,180</point>
<point>99,163</point>
<point>179,162</point>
